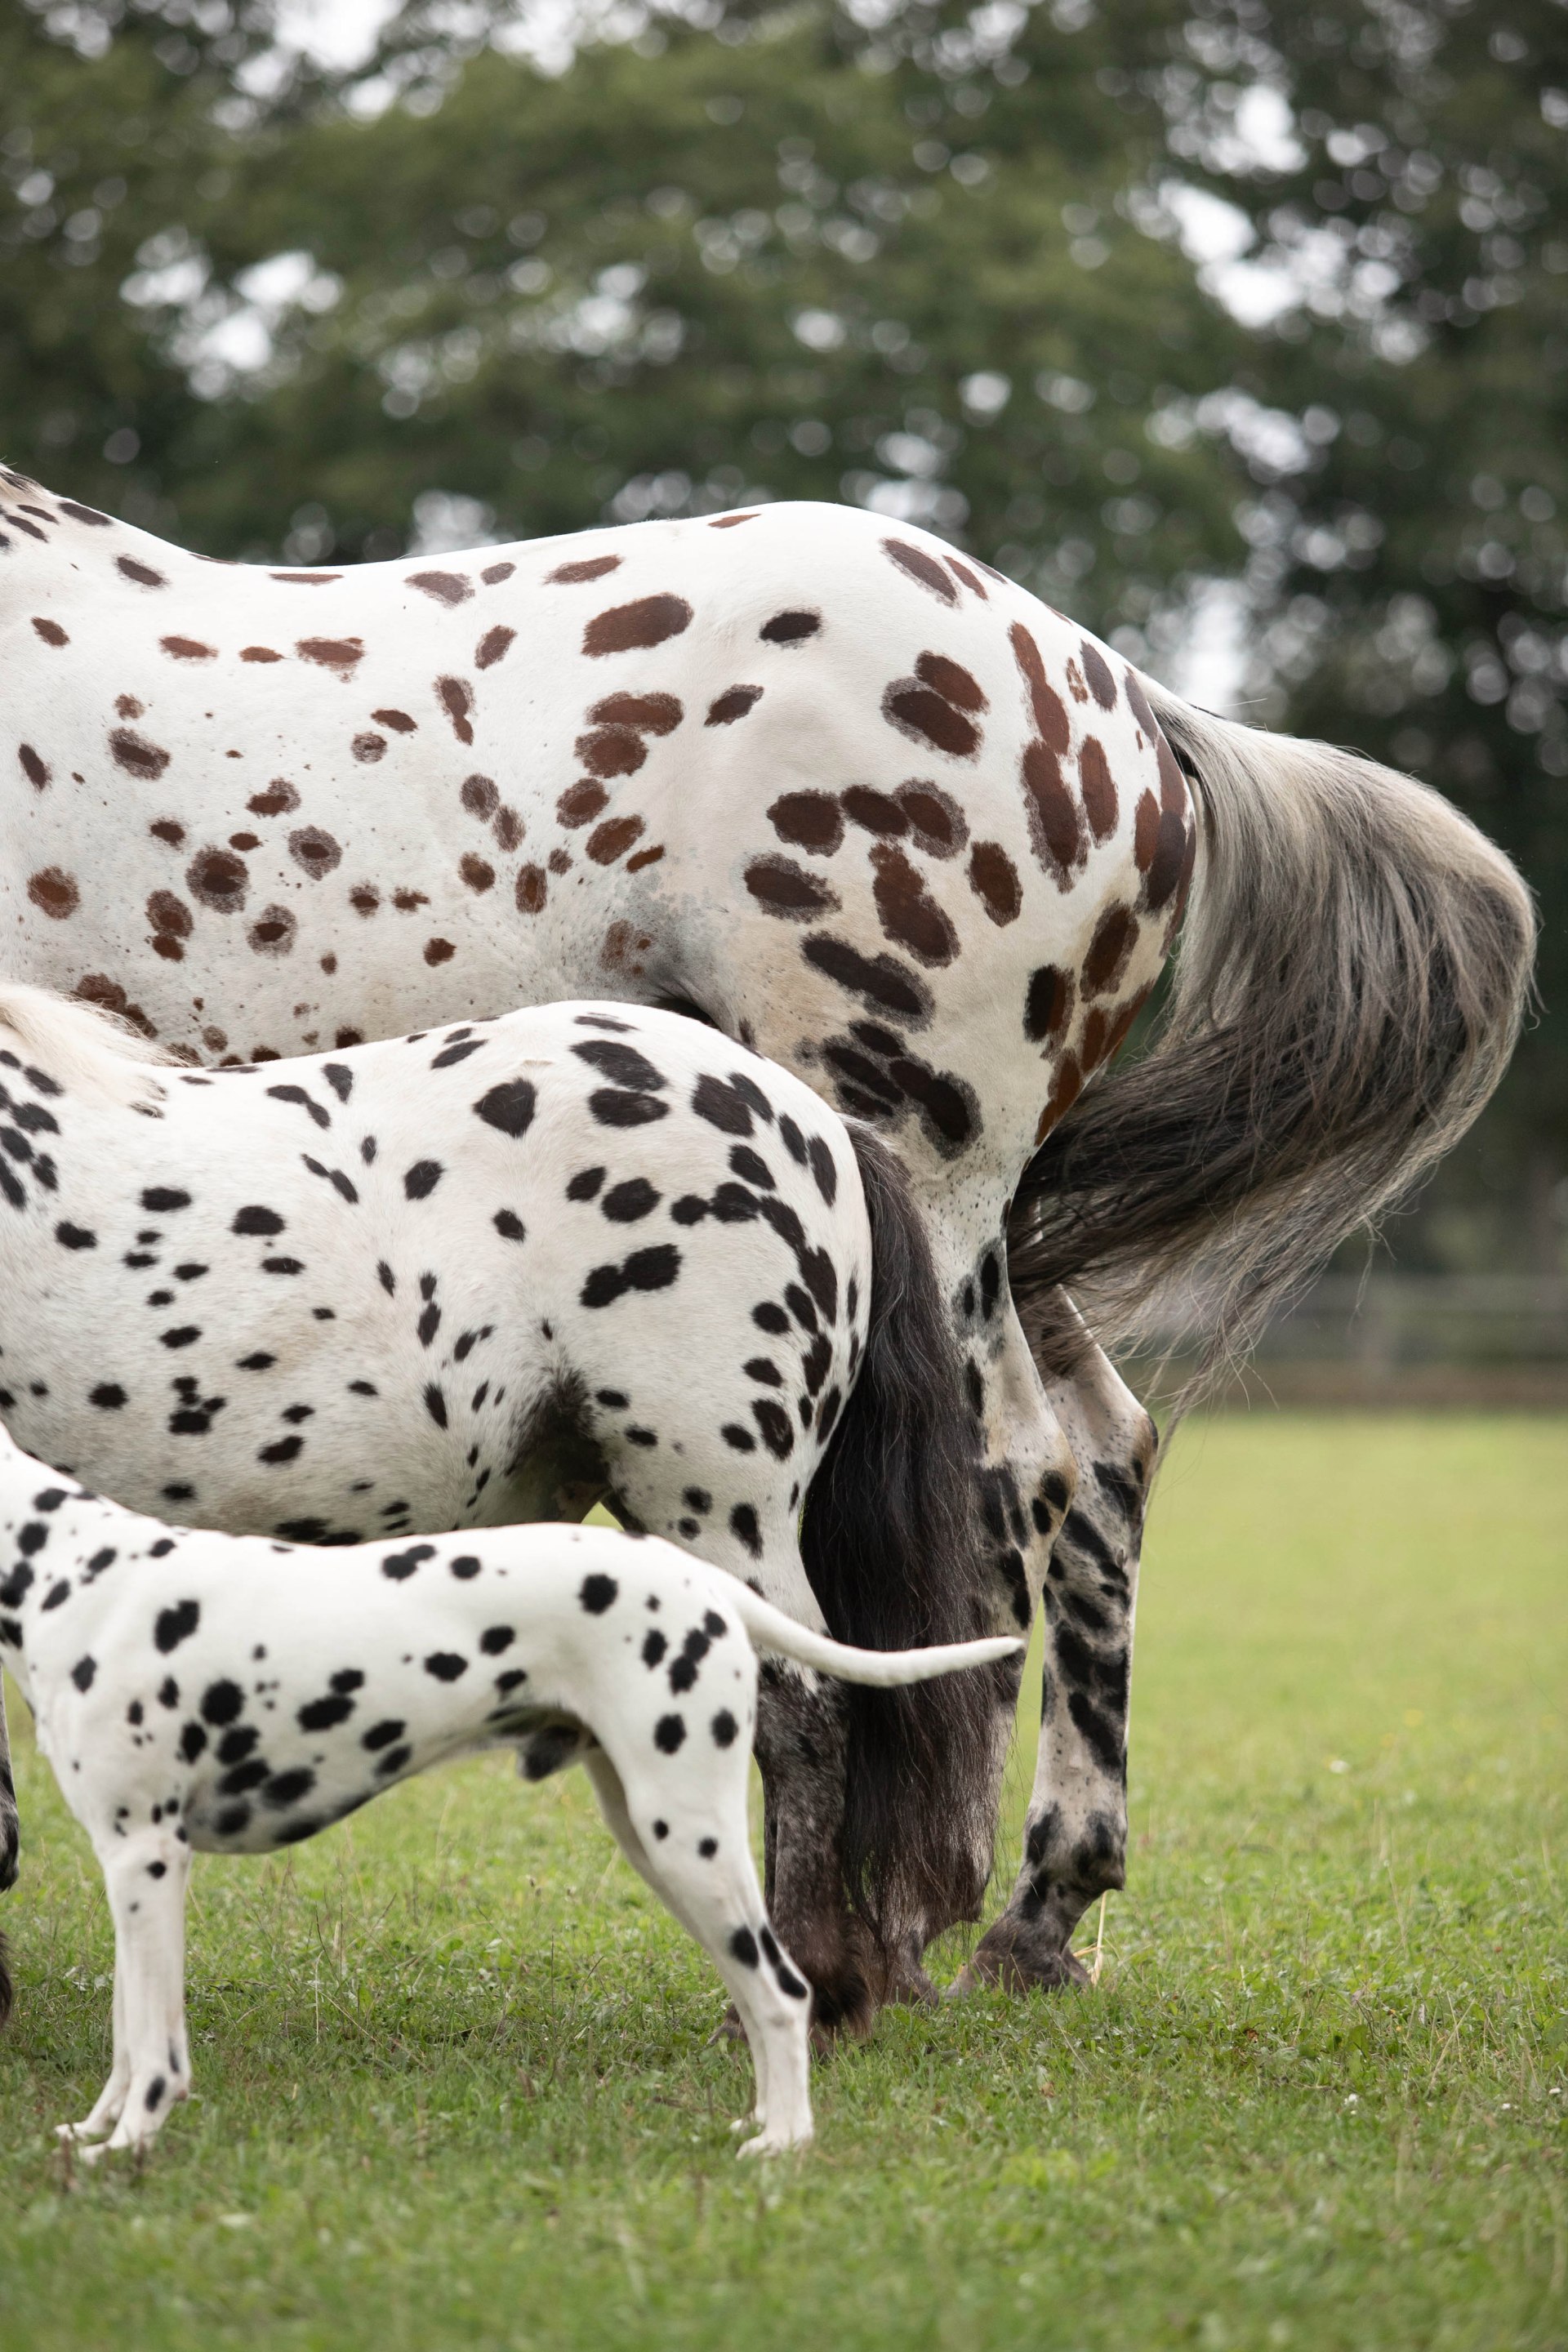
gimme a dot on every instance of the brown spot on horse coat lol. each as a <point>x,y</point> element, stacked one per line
<point>580,803</point>
<point>259,653</point>
<point>790,629</point>
<point>921,567</point>
<point>530,889</point>
<point>728,522</point>
<point>407,901</point>
<point>364,898</point>
<point>923,714</point>
<point>940,825</point>
<point>875,812</point>
<point>305,580</point>
<point>53,892</point>
<point>994,878</point>
<point>273,933</point>
<point>648,714</point>
<point>170,829</point>
<point>1099,789</point>
<point>456,698</point>
<point>33,768</point>
<point>279,799</point>
<point>613,838</point>
<point>219,879</point>
<point>1050,711</point>
<point>908,914</point>
<point>611,751</point>
<point>1114,937</point>
<point>479,797</point>
<point>952,681</point>
<point>1145,830</point>
<point>507,828</point>
<point>338,653</point>
<point>971,580</point>
<point>626,628</point>
<point>50,631</point>
<point>84,514</point>
<point>316,851</point>
<point>645,858</point>
<point>398,720</point>
<point>949,1106</point>
<point>97,988</point>
<point>1065,1091</point>
<point>881,979</point>
<point>368,749</point>
<point>475,872</point>
<point>785,888</point>
<point>1048,1003</point>
<point>128,707</point>
<point>493,573</point>
<point>732,704</point>
<point>810,820</point>
<point>135,754</point>
<point>587,567</point>
<point>1098,671</point>
<point>142,573</point>
<point>169,915</point>
<point>493,646</point>
<point>445,587</point>
<point>1170,860</point>
<point>439,951</point>
<point>190,649</point>
<point>1056,829</point>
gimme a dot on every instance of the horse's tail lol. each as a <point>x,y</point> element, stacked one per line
<point>891,1546</point>
<point>1348,989</point>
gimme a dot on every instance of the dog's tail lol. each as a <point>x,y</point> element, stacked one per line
<point>781,1637</point>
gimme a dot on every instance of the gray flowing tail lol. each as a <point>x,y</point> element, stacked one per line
<point>770,1629</point>
<point>892,1547</point>
<point>1350,982</point>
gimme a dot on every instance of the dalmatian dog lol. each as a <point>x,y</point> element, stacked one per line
<point>865,805</point>
<point>496,1273</point>
<point>212,1693</point>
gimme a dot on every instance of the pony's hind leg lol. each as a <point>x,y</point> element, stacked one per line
<point>1074,1840</point>
<point>145,1877</point>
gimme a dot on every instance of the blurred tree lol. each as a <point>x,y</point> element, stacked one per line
<point>936,267</point>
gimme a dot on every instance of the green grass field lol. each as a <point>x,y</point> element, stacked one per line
<point>457,2090</point>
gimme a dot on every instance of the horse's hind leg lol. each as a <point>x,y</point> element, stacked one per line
<point>1075,1844</point>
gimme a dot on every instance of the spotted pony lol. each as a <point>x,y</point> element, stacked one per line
<point>500,1272</point>
<point>213,1693</point>
<point>862,803</point>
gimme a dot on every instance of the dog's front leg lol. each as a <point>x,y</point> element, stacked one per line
<point>145,1876</point>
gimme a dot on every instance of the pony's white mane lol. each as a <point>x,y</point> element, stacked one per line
<point>83,1048</point>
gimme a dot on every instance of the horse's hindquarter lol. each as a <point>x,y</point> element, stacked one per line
<point>898,823</point>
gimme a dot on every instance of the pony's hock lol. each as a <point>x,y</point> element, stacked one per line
<point>494,1274</point>
<point>203,1691</point>
<point>858,801</point>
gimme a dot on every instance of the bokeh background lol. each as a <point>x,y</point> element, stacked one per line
<point>1239,329</point>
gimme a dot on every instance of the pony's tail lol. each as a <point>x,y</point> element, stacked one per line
<point>1349,986</point>
<point>893,1549</point>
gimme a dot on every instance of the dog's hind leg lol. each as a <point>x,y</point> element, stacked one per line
<point>145,1876</point>
<point>692,1842</point>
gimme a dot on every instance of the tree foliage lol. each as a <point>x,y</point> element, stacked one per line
<point>935,267</point>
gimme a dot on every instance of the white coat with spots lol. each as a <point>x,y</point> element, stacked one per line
<point>865,806</point>
<point>497,1272</point>
<point>196,1691</point>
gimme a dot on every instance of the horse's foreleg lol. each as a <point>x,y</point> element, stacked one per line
<point>1074,1844</point>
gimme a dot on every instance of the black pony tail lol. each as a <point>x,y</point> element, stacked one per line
<point>891,1546</point>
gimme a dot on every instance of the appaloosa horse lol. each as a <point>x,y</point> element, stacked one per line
<point>869,808</point>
